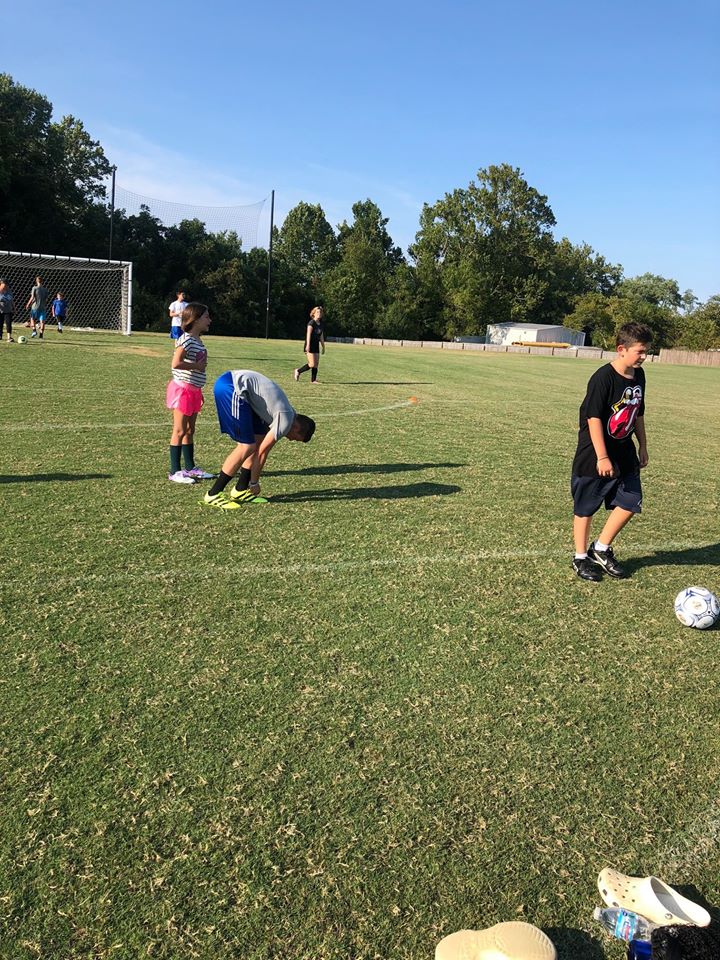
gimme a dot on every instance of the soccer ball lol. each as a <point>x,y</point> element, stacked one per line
<point>697,607</point>
<point>22,339</point>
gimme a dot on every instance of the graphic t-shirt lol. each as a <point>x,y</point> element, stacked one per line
<point>194,351</point>
<point>266,399</point>
<point>617,402</point>
<point>38,298</point>
<point>176,309</point>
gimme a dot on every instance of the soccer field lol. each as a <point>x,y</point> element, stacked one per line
<point>376,710</point>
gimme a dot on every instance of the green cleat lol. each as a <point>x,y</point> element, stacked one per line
<point>244,496</point>
<point>220,501</point>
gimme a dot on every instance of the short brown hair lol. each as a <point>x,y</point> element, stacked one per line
<point>306,426</point>
<point>191,314</point>
<point>630,333</point>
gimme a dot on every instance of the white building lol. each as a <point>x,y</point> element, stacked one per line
<point>509,333</point>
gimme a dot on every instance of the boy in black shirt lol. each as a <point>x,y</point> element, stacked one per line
<point>606,468</point>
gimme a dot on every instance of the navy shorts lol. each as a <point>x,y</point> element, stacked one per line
<point>589,494</point>
<point>235,415</point>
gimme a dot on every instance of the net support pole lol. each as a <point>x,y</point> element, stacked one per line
<point>112,212</point>
<point>128,331</point>
<point>269,276</point>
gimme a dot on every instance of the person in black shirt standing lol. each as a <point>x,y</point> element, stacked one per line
<point>606,468</point>
<point>314,344</point>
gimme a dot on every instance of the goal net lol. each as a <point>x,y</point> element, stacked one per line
<point>241,220</point>
<point>98,292</point>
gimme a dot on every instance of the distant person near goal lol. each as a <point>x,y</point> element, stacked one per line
<point>37,304</point>
<point>314,344</point>
<point>59,310</point>
<point>6,310</point>
<point>175,310</point>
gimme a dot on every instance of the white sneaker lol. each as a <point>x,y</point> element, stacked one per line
<point>181,477</point>
<point>197,473</point>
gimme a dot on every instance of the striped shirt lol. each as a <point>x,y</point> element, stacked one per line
<point>194,351</point>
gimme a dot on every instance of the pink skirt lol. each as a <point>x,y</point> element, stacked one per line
<point>184,397</point>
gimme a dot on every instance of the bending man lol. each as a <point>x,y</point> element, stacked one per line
<point>255,413</point>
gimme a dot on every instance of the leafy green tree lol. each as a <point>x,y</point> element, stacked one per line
<point>700,330</point>
<point>237,291</point>
<point>357,290</point>
<point>412,310</point>
<point>653,289</point>
<point>490,244</point>
<point>305,249</point>
<point>51,174</point>
<point>594,316</point>
<point>573,272</point>
<point>306,244</point>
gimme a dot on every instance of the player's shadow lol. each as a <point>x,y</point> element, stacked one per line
<point>409,491</point>
<point>360,468</point>
<point>575,944</point>
<point>53,477</point>
<point>690,556</point>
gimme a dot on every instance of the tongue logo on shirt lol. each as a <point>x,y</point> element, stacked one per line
<point>625,411</point>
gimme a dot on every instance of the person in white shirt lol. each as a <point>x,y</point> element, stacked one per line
<point>175,310</point>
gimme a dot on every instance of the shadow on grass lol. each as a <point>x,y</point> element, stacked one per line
<point>53,477</point>
<point>575,944</point>
<point>709,554</point>
<point>360,468</point>
<point>370,493</point>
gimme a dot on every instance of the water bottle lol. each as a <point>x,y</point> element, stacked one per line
<point>624,924</point>
<point>639,950</point>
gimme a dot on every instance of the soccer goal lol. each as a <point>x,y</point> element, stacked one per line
<point>98,292</point>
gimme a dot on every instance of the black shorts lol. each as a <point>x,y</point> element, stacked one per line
<point>589,493</point>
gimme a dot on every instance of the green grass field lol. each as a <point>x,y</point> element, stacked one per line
<point>377,710</point>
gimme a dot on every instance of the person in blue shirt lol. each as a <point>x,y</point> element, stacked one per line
<point>6,310</point>
<point>59,310</point>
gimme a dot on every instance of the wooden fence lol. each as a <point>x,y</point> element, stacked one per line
<point>699,358</point>
<point>704,358</point>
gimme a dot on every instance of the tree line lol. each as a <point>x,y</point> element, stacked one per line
<point>483,254</point>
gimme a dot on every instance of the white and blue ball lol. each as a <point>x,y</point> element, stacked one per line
<point>697,607</point>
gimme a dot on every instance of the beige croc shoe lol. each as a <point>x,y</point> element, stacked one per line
<point>651,898</point>
<point>505,941</point>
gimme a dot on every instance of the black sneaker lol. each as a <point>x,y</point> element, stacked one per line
<point>606,560</point>
<point>586,570</point>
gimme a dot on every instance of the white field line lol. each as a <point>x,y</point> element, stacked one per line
<point>229,572</point>
<point>17,427</point>
<point>354,413</point>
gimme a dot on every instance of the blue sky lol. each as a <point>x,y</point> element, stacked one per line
<point>612,110</point>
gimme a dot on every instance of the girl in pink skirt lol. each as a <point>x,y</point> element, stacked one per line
<point>184,393</point>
